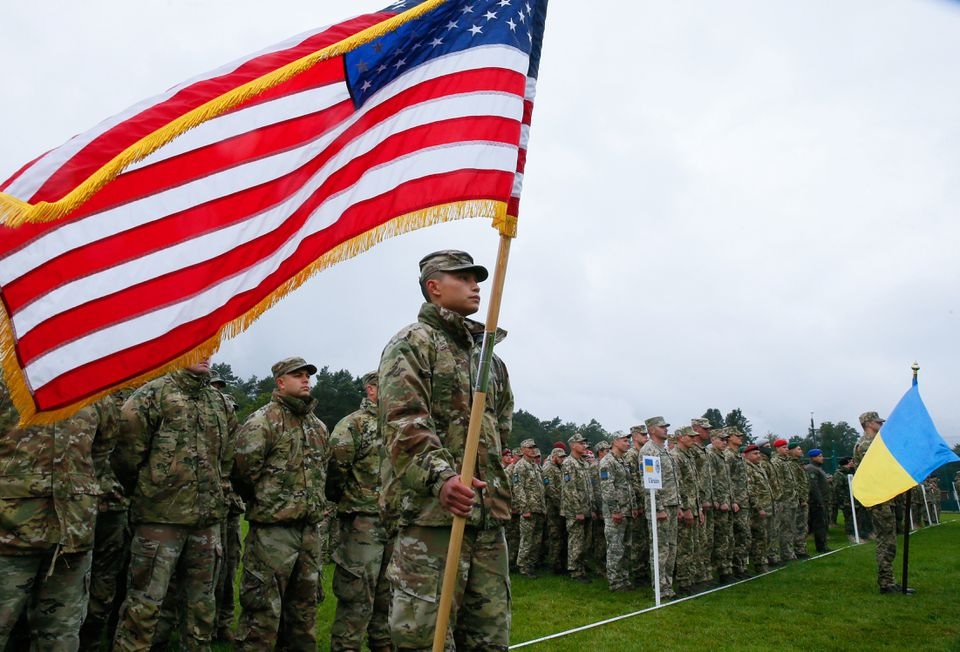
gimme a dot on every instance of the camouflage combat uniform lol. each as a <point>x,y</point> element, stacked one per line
<point>425,403</point>
<point>739,516</point>
<point>761,515</point>
<point>616,491</point>
<point>511,529</point>
<point>687,570</point>
<point>640,546</point>
<point>666,500</point>
<point>884,520</point>
<point>173,459</point>
<point>802,515</point>
<point>702,567</point>
<point>722,518</point>
<point>359,581</point>
<point>49,489</point>
<point>786,523</point>
<point>577,498</point>
<point>280,471</point>
<point>529,501</point>
<point>556,528</point>
<point>841,498</point>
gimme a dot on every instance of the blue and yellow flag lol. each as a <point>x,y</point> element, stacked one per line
<point>905,452</point>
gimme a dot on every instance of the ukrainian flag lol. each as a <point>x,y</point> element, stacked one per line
<point>906,451</point>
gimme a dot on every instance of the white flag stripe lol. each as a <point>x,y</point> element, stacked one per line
<point>128,216</point>
<point>249,119</point>
<point>217,243</point>
<point>115,338</point>
<point>34,177</point>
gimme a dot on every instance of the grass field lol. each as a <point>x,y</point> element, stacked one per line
<point>827,603</point>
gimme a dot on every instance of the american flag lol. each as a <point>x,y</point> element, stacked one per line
<point>424,123</point>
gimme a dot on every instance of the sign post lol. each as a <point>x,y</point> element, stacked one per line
<point>853,509</point>
<point>652,480</point>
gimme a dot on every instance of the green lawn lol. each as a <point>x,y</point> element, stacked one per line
<point>829,603</point>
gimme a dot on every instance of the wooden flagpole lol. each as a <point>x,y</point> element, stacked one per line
<point>472,444</point>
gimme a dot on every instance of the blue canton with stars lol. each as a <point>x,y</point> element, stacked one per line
<point>452,27</point>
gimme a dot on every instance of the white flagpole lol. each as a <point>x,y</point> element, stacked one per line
<point>853,509</point>
<point>926,504</point>
<point>656,547</point>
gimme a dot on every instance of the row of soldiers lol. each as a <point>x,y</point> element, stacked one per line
<point>723,507</point>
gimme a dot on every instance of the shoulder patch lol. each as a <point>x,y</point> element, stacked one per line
<point>566,477</point>
<point>546,481</point>
<point>604,475</point>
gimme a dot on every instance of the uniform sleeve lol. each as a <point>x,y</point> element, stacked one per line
<point>343,452</point>
<point>229,448</point>
<point>609,496</point>
<point>253,443</point>
<point>504,404</point>
<point>140,417</point>
<point>108,423</point>
<point>418,457</point>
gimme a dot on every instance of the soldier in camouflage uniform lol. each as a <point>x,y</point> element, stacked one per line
<point>556,527</point>
<point>511,529</point>
<point>883,515</point>
<point>786,523</point>
<point>667,501</point>
<point>353,482</point>
<point>280,471</point>
<point>841,494</point>
<point>577,505</point>
<point>173,458</point>
<point>801,524</point>
<point>51,478</point>
<point>687,570</point>
<point>740,508</point>
<point>818,492</point>
<point>111,551</point>
<point>425,404</point>
<point>529,500</point>
<point>597,558</point>
<point>722,502</point>
<point>703,573</point>
<point>619,510</point>
<point>640,547</point>
<point>761,508</point>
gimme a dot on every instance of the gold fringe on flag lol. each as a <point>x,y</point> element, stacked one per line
<point>20,392</point>
<point>14,212</point>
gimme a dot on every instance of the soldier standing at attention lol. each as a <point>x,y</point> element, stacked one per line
<point>173,458</point>
<point>786,525</point>
<point>425,402</point>
<point>619,511</point>
<point>353,482</point>
<point>51,475</point>
<point>667,501</point>
<point>703,572</point>
<point>761,509</point>
<point>819,490</point>
<point>639,548</point>
<point>576,505</point>
<point>841,494</point>
<point>740,508</point>
<point>530,502</point>
<point>722,502</point>
<point>597,558</point>
<point>280,472</point>
<point>556,529</point>
<point>801,524</point>
<point>883,516</point>
<point>687,571</point>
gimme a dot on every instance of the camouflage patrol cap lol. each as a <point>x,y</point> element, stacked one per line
<point>288,365</point>
<point>703,423</point>
<point>450,260</point>
<point>216,380</point>
<point>685,431</point>
<point>602,445</point>
<point>536,451</point>
<point>867,417</point>
<point>656,421</point>
<point>575,437</point>
<point>733,432</point>
<point>638,430</point>
<point>559,451</point>
<point>619,435</point>
<point>528,443</point>
<point>720,433</point>
<point>370,378</point>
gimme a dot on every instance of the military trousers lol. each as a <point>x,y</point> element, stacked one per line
<point>688,567</point>
<point>801,523</point>
<point>666,550</point>
<point>55,599</point>
<point>598,545</point>
<point>556,539</point>
<point>741,539</point>
<point>619,537</point>
<point>512,532</point>
<point>360,584</point>
<point>531,540</point>
<point>703,566</point>
<point>579,534</point>
<point>722,556</point>
<point>786,532</point>
<point>160,553</point>
<point>230,538</point>
<point>818,525</point>
<point>280,586</point>
<point>481,609</point>
<point>883,518</point>
<point>640,549</point>
<point>111,551</point>
<point>760,540</point>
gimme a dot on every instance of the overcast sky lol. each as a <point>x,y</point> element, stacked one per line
<point>742,204</point>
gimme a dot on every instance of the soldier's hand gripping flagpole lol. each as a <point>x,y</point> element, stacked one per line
<point>472,444</point>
